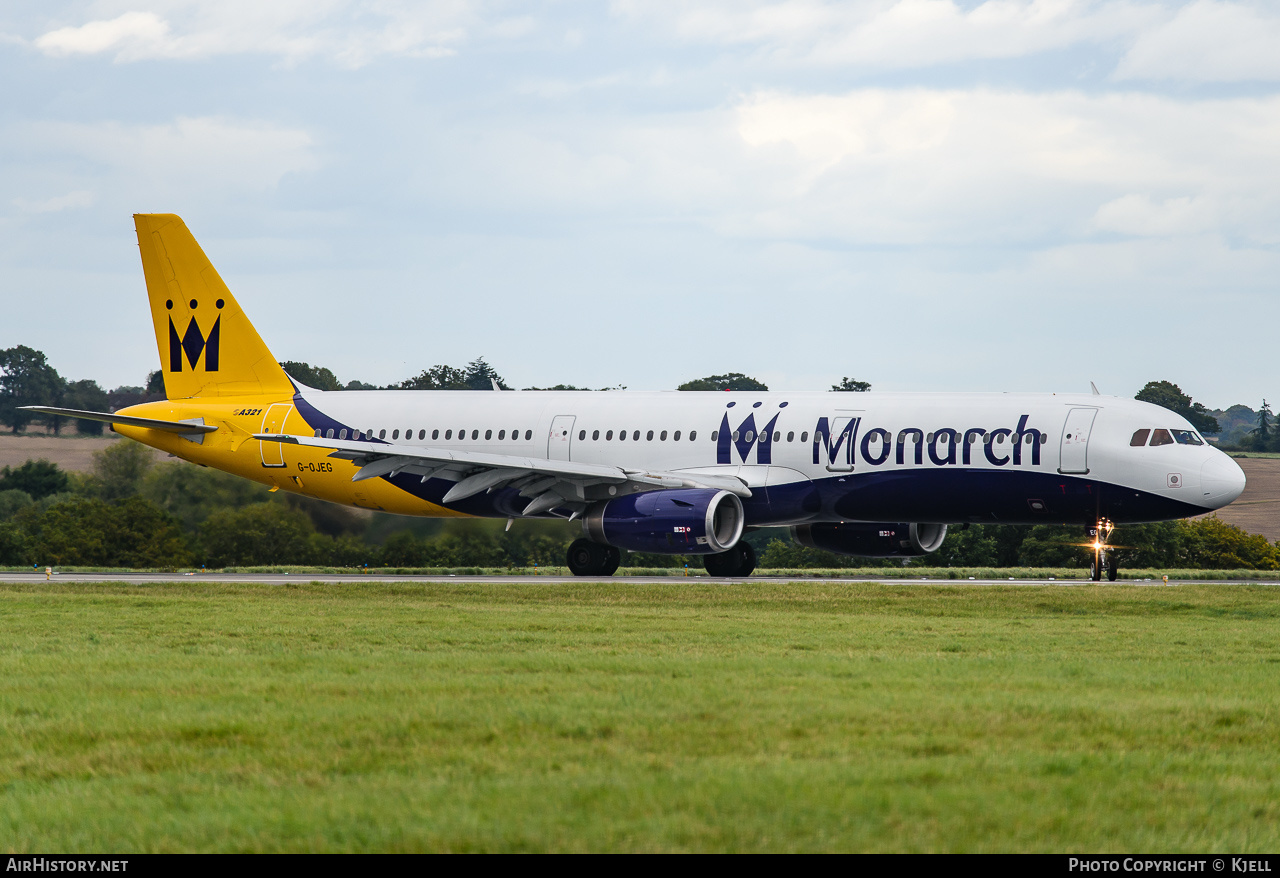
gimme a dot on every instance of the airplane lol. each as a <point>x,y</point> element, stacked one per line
<point>868,474</point>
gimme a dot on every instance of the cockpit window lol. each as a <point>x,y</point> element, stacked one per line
<point>1187,437</point>
<point>1161,437</point>
<point>1139,438</point>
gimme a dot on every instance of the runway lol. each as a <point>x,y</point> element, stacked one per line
<point>340,578</point>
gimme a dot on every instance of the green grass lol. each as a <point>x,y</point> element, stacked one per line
<point>620,716</point>
<point>893,573</point>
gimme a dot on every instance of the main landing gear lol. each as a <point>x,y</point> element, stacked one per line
<point>1103,558</point>
<point>593,559</point>
<point>737,562</point>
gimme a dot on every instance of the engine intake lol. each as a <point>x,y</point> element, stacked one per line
<point>888,540</point>
<point>688,521</point>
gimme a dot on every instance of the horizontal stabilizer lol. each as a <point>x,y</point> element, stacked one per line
<point>108,418</point>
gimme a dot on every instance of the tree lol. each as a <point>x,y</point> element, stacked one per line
<point>93,532</point>
<point>118,470</point>
<point>26,378</point>
<point>87,396</point>
<point>1170,395</point>
<point>312,376</point>
<point>1263,432</point>
<point>478,375</point>
<point>155,385</point>
<point>851,385</point>
<point>37,478</point>
<point>264,534</point>
<point>730,381</point>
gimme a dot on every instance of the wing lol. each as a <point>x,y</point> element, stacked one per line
<point>549,484</point>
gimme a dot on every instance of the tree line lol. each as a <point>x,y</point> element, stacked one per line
<point>130,511</point>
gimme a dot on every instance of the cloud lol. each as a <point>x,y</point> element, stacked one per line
<point>1209,41</point>
<point>884,167</point>
<point>134,33</point>
<point>205,157</point>
<point>70,201</point>
<point>897,34</point>
<point>1141,216</point>
<point>345,32</point>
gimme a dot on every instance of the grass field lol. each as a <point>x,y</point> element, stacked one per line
<point>684,716</point>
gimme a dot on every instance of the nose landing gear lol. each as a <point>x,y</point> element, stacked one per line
<point>1103,558</point>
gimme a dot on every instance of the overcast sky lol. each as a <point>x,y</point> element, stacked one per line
<point>923,194</point>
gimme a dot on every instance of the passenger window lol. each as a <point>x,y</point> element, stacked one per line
<point>622,435</point>
<point>488,434</point>
<point>528,434</point>
<point>663,436</point>
<point>608,435</point>
<point>715,434</point>
<point>435,434</point>
<point>1161,437</point>
<point>328,434</point>
<point>636,436</point>
<point>595,435</point>
<point>675,437</point>
<point>422,434</point>
<point>693,435</point>
<point>448,434</point>
<point>734,437</point>
<point>648,437</point>
<point>804,437</point>
<point>582,434</point>
<point>1139,437</point>
<point>791,435</point>
<point>382,434</point>
<point>777,436</point>
<point>751,435</point>
<point>1187,437</point>
<point>502,434</point>
<point>317,433</point>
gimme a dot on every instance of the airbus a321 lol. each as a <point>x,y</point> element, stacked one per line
<point>683,473</point>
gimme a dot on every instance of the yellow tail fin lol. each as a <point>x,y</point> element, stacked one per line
<point>207,345</point>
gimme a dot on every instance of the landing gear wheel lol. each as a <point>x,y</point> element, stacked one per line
<point>736,562</point>
<point>1113,570</point>
<point>613,557</point>
<point>592,559</point>
<point>1095,568</point>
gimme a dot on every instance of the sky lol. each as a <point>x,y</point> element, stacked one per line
<point>1021,195</point>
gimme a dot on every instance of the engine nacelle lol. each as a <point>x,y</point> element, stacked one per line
<point>889,540</point>
<point>684,521</point>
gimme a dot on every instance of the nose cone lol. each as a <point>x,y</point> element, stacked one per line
<point>1221,480</point>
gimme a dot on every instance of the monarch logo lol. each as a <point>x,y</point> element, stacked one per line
<point>835,443</point>
<point>745,438</point>
<point>194,342</point>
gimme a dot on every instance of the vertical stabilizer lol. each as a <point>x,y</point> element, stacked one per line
<point>207,345</point>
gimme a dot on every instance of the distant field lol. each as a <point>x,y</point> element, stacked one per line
<point>72,453</point>
<point>615,716</point>
<point>1258,509</point>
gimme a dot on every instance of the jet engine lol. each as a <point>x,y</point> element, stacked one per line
<point>888,540</point>
<point>682,521</point>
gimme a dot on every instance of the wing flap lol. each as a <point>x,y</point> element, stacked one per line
<point>560,483</point>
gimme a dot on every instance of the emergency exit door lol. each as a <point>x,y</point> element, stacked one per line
<point>560,438</point>
<point>273,422</point>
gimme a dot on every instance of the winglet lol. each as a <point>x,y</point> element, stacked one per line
<point>1095,389</point>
